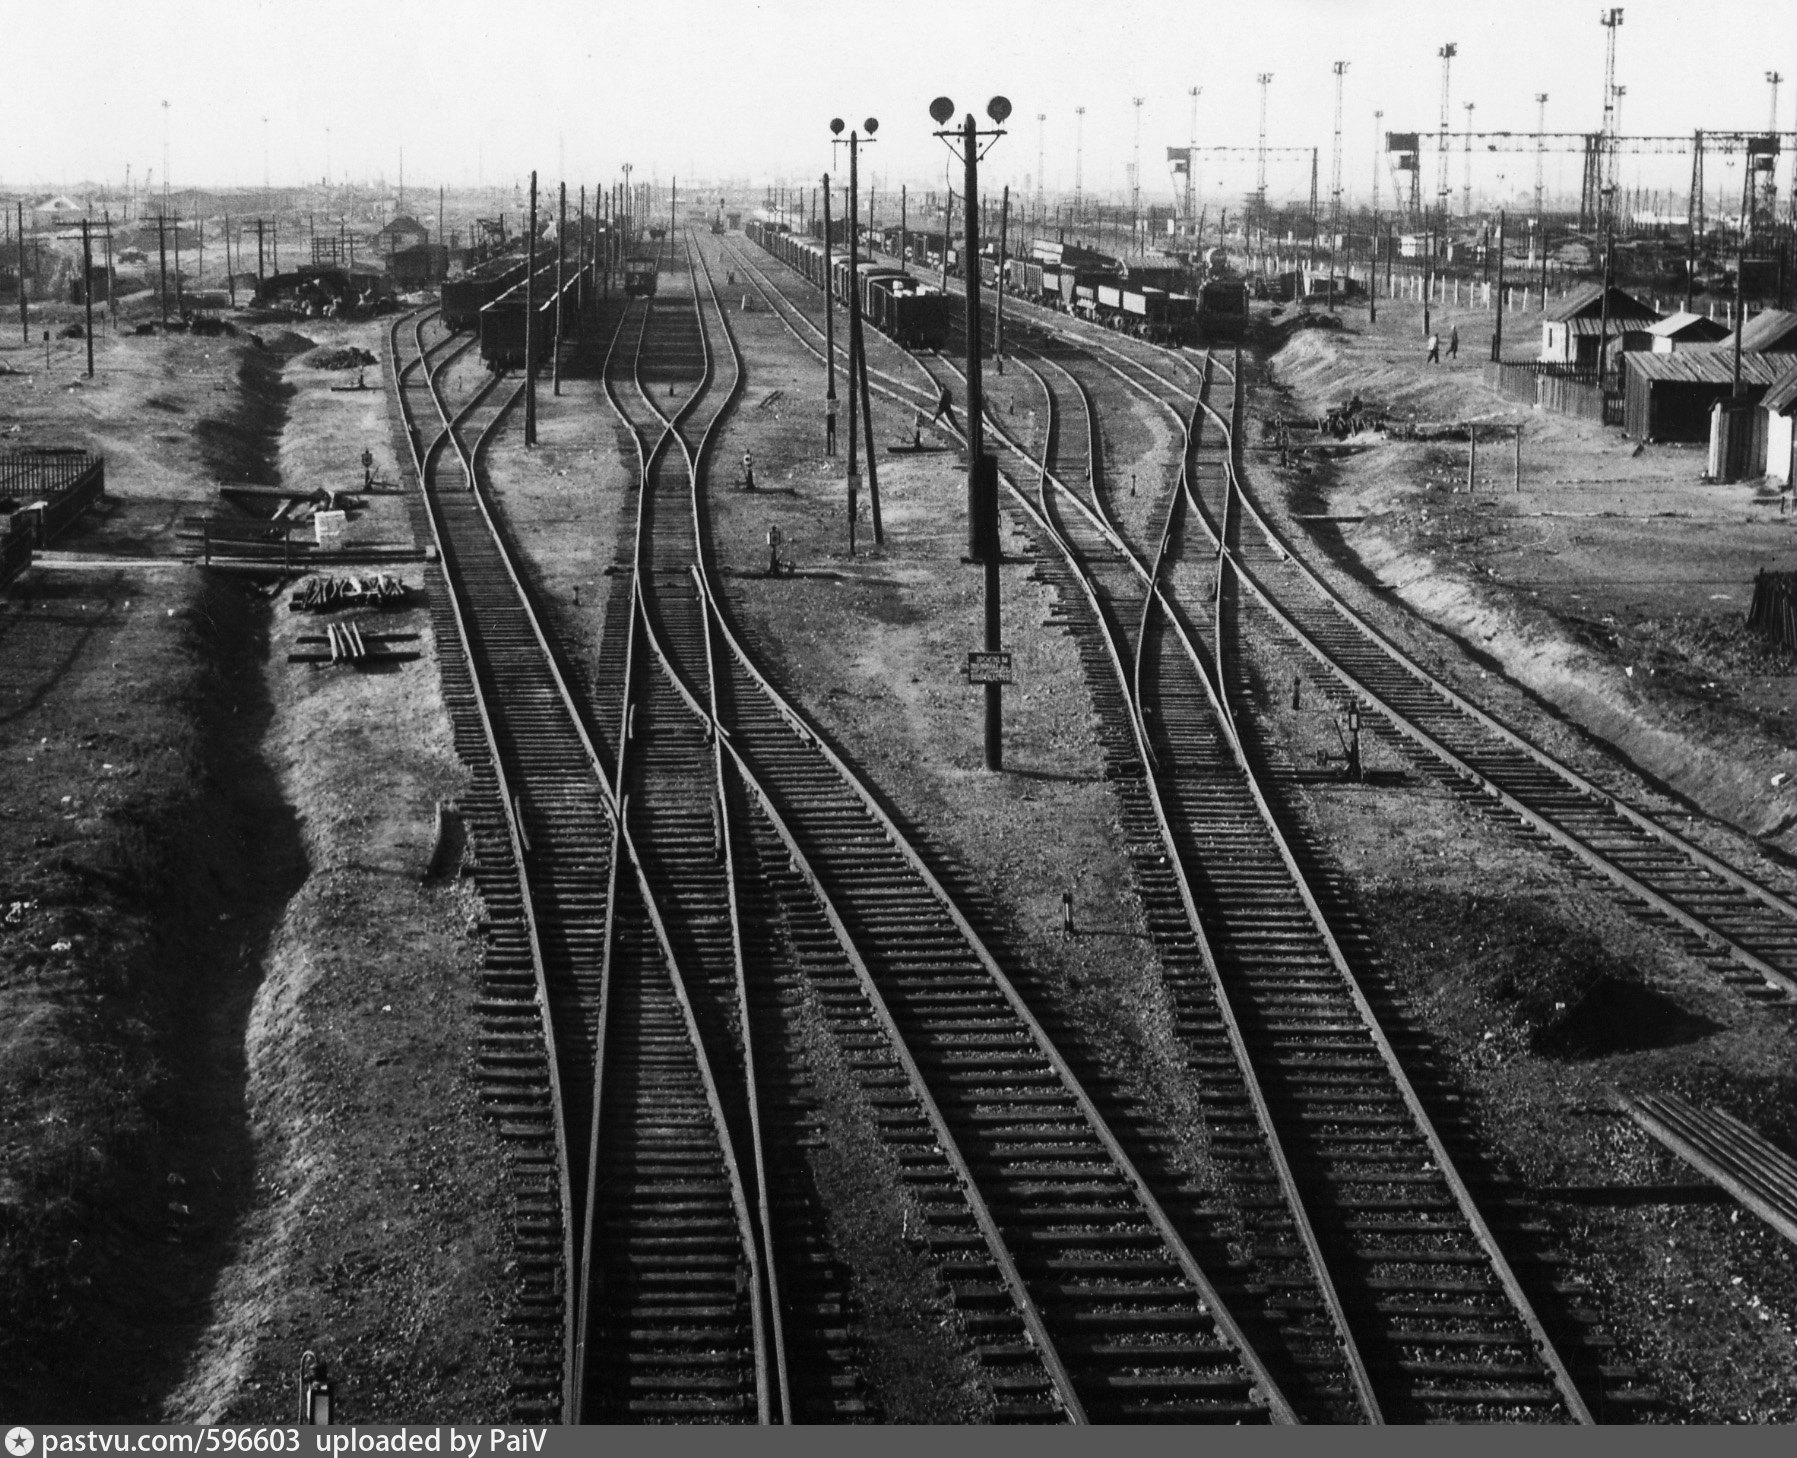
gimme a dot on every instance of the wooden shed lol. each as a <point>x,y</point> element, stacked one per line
<point>1668,397</point>
<point>1571,329</point>
<point>1685,331</point>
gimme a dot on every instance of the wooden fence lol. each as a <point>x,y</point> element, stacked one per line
<point>57,487</point>
<point>1774,610</point>
<point>1566,389</point>
<point>40,474</point>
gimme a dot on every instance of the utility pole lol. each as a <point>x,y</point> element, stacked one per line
<point>162,261</point>
<point>1466,196</point>
<point>1772,80</point>
<point>1135,175</point>
<point>829,334</point>
<point>530,318</point>
<point>1004,234</point>
<point>1372,267</point>
<point>1497,331</point>
<point>982,470</point>
<point>87,289</point>
<point>24,317</point>
<point>1041,152</point>
<point>858,384</point>
<point>1340,68</point>
<point>1540,152</point>
<point>1265,79</point>
<point>1447,54</point>
<point>1079,153</point>
<point>1192,168</point>
<point>561,251</point>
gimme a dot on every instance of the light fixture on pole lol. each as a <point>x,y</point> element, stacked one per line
<point>982,470</point>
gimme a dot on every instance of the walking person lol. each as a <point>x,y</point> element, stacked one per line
<point>1434,349</point>
<point>748,471</point>
<point>945,405</point>
<point>773,551</point>
<point>1453,341</point>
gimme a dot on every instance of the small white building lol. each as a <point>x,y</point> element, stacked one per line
<point>1780,405</point>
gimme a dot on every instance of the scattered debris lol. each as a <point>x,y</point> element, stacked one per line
<point>327,594</point>
<point>350,357</point>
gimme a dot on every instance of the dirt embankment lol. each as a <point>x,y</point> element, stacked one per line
<point>1611,582</point>
<point>219,1145</point>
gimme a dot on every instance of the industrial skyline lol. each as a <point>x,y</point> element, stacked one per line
<point>474,96</point>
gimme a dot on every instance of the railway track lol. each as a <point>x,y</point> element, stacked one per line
<point>1336,1160</point>
<point>1731,919</point>
<point>1080,1298</point>
<point>571,996</point>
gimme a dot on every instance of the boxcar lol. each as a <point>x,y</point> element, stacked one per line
<point>639,277</point>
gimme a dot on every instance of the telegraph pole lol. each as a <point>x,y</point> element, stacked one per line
<point>857,351</point>
<point>829,335</point>
<point>561,252</point>
<point>1497,333</point>
<point>1004,233</point>
<point>24,317</point>
<point>87,289</point>
<point>530,317</point>
<point>1372,270</point>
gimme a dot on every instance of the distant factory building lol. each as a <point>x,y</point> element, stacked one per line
<point>1686,331</point>
<point>1573,327</point>
<point>1772,331</point>
<point>1668,397</point>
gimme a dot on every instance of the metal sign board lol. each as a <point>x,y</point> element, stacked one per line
<point>989,668</point>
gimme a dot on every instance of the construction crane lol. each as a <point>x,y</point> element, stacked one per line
<point>1447,54</point>
<point>1335,167</point>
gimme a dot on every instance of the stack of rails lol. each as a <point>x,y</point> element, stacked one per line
<point>502,332</point>
<point>892,300</point>
<point>463,298</point>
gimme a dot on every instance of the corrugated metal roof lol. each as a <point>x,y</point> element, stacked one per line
<point>1783,394</point>
<point>1708,366</point>
<point>1771,330</point>
<point>1675,324</point>
<point>1588,300</point>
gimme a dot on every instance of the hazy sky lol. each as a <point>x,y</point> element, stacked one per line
<point>731,87</point>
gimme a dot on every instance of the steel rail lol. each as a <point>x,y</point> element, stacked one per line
<point>768,1308</point>
<point>1524,1309</point>
<point>424,468</point>
<point>747,1230</point>
<point>573,1393</point>
<point>1175,851</point>
<point>702,570</point>
<point>1704,928</point>
<point>1215,683</point>
<point>1144,1194</point>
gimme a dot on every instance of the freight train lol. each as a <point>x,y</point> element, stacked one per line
<point>502,327</point>
<point>464,297</point>
<point>914,314</point>
<point>1146,302</point>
